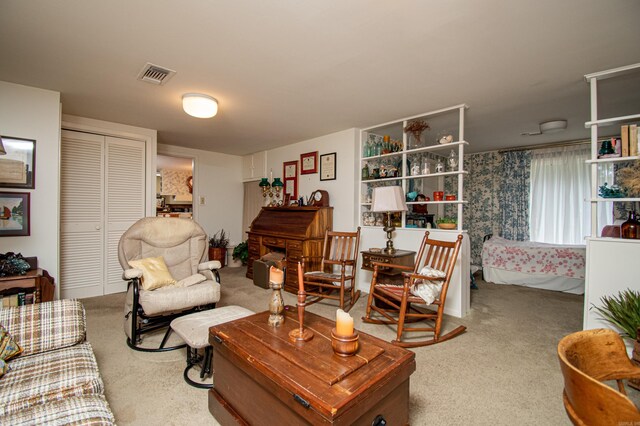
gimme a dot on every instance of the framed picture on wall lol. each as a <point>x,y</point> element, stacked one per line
<point>290,178</point>
<point>17,167</point>
<point>14,214</point>
<point>328,166</point>
<point>309,163</point>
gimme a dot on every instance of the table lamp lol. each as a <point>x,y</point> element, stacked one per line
<point>388,199</point>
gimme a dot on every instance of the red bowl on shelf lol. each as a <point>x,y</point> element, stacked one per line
<point>450,198</point>
<point>438,195</point>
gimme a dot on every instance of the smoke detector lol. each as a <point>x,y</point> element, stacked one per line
<point>546,127</point>
<point>155,74</point>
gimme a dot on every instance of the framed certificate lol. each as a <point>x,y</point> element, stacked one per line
<point>309,163</point>
<point>17,167</point>
<point>290,178</point>
<point>328,166</point>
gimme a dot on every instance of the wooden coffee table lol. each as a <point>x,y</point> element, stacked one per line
<point>260,377</point>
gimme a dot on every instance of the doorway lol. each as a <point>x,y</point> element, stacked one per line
<point>174,186</point>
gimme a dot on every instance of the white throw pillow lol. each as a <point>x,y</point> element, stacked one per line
<point>428,290</point>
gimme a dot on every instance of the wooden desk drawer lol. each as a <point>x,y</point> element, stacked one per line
<point>294,255</point>
<point>367,261</point>
<point>274,242</point>
<point>294,245</point>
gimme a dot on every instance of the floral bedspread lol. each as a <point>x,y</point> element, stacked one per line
<point>534,258</point>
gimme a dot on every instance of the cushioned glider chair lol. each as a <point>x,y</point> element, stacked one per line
<point>153,298</point>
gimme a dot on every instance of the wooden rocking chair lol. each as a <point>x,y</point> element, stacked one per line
<point>397,301</point>
<point>338,265</point>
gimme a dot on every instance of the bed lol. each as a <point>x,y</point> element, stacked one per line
<point>531,264</point>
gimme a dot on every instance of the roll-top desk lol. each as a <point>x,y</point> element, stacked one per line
<point>294,231</point>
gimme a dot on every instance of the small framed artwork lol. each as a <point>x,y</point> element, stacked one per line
<point>17,167</point>
<point>328,166</point>
<point>290,178</point>
<point>14,214</point>
<point>309,163</point>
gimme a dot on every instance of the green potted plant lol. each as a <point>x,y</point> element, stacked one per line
<point>447,222</point>
<point>623,311</point>
<point>241,252</point>
<point>218,247</point>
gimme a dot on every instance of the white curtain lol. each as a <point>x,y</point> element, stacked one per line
<point>560,191</point>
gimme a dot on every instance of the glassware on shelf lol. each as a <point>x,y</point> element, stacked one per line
<point>365,171</point>
<point>426,167</point>
<point>631,227</point>
<point>453,160</point>
<point>439,166</point>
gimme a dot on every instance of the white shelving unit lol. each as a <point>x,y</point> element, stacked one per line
<point>435,180</point>
<point>610,261</point>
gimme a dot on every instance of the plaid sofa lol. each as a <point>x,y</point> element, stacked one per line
<point>56,379</point>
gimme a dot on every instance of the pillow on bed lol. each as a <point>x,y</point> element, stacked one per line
<point>428,290</point>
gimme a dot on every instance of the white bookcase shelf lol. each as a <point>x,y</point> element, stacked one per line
<point>610,261</point>
<point>443,121</point>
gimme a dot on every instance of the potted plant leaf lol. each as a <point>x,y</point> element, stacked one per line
<point>241,252</point>
<point>218,247</point>
<point>623,311</point>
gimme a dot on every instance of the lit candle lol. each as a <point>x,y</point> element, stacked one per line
<point>271,175</point>
<point>276,275</point>
<point>300,278</point>
<point>344,323</point>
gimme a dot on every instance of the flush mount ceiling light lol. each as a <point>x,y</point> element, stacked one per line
<point>546,127</point>
<point>199,105</point>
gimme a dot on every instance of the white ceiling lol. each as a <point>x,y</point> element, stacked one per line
<point>287,70</point>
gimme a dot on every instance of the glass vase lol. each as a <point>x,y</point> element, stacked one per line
<point>631,228</point>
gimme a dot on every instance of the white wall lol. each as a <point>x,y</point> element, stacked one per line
<point>342,190</point>
<point>30,113</point>
<point>218,178</point>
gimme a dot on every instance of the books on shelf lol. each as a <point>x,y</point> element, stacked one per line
<point>629,140</point>
<point>18,299</point>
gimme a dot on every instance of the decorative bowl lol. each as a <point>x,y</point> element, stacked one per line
<point>447,225</point>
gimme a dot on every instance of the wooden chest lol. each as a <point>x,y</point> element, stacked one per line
<point>260,377</point>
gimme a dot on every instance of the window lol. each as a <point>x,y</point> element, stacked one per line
<point>560,190</point>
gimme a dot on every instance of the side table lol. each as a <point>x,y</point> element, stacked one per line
<point>392,275</point>
<point>36,281</point>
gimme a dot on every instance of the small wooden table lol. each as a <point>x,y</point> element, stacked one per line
<point>391,275</point>
<point>36,281</point>
<point>263,378</point>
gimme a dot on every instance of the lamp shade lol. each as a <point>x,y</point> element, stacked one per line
<point>277,182</point>
<point>388,199</point>
<point>199,105</point>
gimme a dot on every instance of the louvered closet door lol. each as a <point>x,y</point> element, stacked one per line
<point>81,215</point>
<point>125,200</point>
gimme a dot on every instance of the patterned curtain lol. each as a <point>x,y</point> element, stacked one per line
<point>514,195</point>
<point>482,191</point>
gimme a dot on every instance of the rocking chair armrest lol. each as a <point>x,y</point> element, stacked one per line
<point>413,276</point>
<point>210,265</point>
<point>340,262</point>
<point>130,274</point>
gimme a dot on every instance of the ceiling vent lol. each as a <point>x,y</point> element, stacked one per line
<point>155,74</point>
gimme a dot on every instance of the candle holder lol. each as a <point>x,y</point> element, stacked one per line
<point>344,345</point>
<point>276,305</point>
<point>301,334</point>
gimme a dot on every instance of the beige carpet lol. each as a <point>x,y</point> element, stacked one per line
<point>503,370</point>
